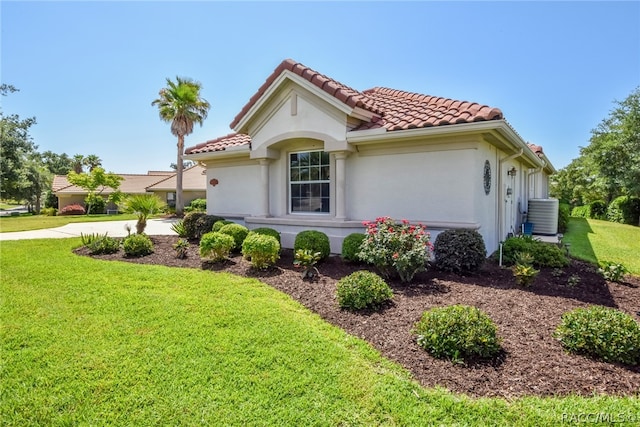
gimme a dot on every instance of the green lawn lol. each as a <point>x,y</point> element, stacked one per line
<point>596,241</point>
<point>111,343</point>
<point>37,222</point>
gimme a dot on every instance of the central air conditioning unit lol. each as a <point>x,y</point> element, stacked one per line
<point>543,213</point>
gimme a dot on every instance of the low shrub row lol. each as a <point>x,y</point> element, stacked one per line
<point>623,209</point>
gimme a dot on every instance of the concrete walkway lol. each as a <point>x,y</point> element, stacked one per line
<point>112,228</point>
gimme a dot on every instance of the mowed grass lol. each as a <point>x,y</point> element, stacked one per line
<point>88,342</point>
<point>597,241</point>
<point>38,222</point>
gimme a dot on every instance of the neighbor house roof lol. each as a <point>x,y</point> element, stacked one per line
<point>392,109</point>
<point>193,178</point>
<point>131,184</point>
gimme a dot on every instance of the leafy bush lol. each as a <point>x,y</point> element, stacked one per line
<point>238,232</point>
<point>179,228</point>
<point>197,205</point>
<point>216,246</point>
<point>459,251</point>
<point>598,209</point>
<point>262,250</point>
<point>181,247</point>
<point>457,332</point>
<point>219,224</point>
<point>74,209</point>
<point>544,254</point>
<point>137,245</point>
<point>266,231</point>
<point>564,212</point>
<point>100,243</point>
<point>307,260</point>
<point>362,289</point>
<point>314,241</point>
<point>625,210</point>
<point>601,332</point>
<point>351,246</point>
<point>612,271</point>
<point>95,204</point>
<point>48,211</point>
<point>196,224</point>
<point>581,211</point>
<point>394,248</point>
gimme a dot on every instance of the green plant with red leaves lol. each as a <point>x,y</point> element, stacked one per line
<point>396,249</point>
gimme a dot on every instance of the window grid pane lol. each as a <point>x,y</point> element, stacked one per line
<point>309,178</point>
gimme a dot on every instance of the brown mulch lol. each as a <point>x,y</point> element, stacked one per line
<point>532,361</point>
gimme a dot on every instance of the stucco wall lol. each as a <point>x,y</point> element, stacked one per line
<point>238,190</point>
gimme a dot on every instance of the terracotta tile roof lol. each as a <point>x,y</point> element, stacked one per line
<point>535,148</point>
<point>131,184</point>
<point>220,144</point>
<point>393,109</point>
<point>406,110</point>
<point>193,178</point>
<point>344,93</point>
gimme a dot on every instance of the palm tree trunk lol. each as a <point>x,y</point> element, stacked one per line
<point>179,169</point>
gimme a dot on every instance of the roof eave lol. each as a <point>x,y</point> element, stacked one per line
<point>240,151</point>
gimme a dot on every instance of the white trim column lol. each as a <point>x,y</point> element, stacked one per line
<point>341,191</point>
<point>264,193</point>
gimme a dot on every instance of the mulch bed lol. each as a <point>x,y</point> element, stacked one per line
<point>532,361</point>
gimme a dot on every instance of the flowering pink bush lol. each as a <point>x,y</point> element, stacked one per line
<point>74,209</point>
<point>396,248</point>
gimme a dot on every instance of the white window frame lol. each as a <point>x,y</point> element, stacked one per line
<point>290,184</point>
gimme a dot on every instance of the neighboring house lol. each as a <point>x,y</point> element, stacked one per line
<point>312,153</point>
<point>162,183</point>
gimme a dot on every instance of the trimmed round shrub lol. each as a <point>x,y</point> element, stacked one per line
<point>314,241</point>
<point>197,205</point>
<point>544,254</point>
<point>219,224</point>
<point>238,232</point>
<point>351,246</point>
<point>48,211</point>
<point>262,250</point>
<point>457,332</point>
<point>189,223</point>
<point>601,332</point>
<point>459,251</point>
<point>362,289</point>
<point>74,209</point>
<point>204,224</point>
<point>267,232</point>
<point>625,210</point>
<point>104,245</point>
<point>216,246</point>
<point>137,245</point>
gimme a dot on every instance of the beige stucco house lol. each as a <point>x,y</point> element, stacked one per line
<point>162,183</point>
<point>309,152</point>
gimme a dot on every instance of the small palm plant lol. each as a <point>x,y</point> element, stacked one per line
<point>143,205</point>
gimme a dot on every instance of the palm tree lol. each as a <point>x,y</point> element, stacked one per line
<point>77,162</point>
<point>92,161</point>
<point>180,104</point>
<point>143,205</point>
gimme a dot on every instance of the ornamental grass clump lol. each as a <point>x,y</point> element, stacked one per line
<point>601,332</point>
<point>396,249</point>
<point>362,289</point>
<point>216,246</point>
<point>457,332</point>
<point>263,251</point>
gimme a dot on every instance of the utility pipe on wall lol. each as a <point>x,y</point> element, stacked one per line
<point>499,206</point>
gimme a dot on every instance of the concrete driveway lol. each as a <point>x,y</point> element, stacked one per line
<point>160,226</point>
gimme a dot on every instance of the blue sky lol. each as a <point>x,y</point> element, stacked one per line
<point>88,71</point>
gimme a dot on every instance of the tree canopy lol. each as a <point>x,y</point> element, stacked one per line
<point>181,105</point>
<point>610,165</point>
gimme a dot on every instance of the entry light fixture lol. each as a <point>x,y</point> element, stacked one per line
<point>512,172</point>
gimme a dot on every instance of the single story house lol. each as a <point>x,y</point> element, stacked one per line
<point>309,152</point>
<point>162,183</point>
